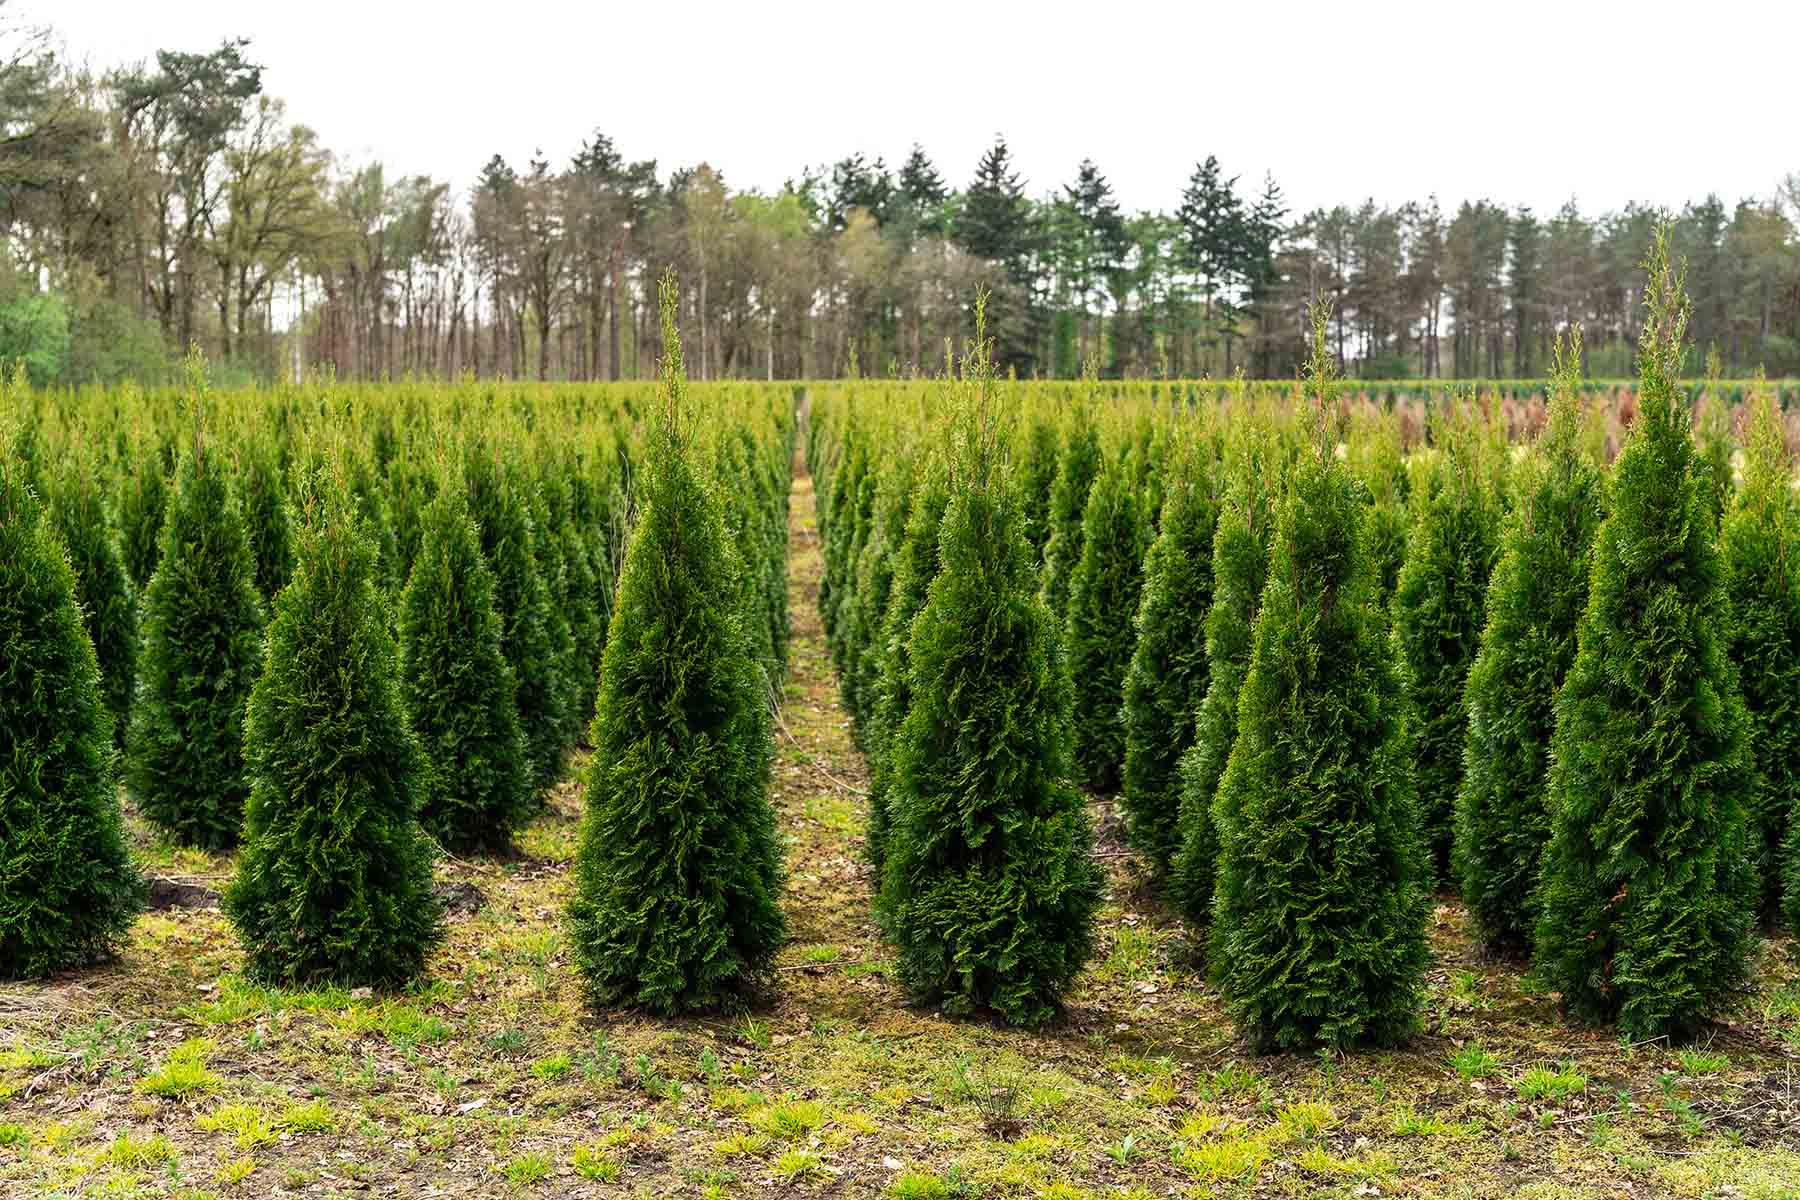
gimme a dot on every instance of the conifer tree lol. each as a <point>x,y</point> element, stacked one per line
<point>461,698</point>
<point>1761,539</point>
<point>335,879</point>
<point>874,584</point>
<point>677,888</point>
<point>989,887</point>
<point>68,887</point>
<point>1100,627</point>
<point>1239,561</point>
<point>102,587</point>
<point>498,502</point>
<point>1167,678</point>
<point>266,522</point>
<point>1079,463</point>
<point>1534,604</point>
<point>565,668</point>
<point>143,497</point>
<point>916,562</point>
<point>1036,477</point>
<point>1319,929</point>
<point>1645,910</point>
<point>201,653</point>
<point>1438,615</point>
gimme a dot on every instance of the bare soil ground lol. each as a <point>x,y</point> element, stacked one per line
<point>166,1073</point>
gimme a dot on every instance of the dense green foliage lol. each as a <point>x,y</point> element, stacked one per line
<point>1319,929</point>
<point>68,888</point>
<point>335,879</point>
<point>102,587</point>
<point>989,888</point>
<point>1100,629</point>
<point>677,888</point>
<point>1439,612</point>
<point>1760,541</point>
<point>1166,681</point>
<point>1076,468</point>
<point>202,652</point>
<point>1535,601</point>
<point>476,785</point>
<point>1645,912</point>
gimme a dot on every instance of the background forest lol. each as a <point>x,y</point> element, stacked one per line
<point>174,201</point>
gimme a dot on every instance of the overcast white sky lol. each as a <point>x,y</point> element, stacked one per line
<point>1522,102</point>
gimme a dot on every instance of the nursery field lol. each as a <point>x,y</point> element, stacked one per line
<point>168,1073</point>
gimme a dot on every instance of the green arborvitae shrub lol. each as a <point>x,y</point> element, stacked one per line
<point>1760,541</point>
<point>1646,903</point>
<point>989,887</point>
<point>1035,477</point>
<point>1100,629</point>
<point>202,651</point>
<point>459,691</point>
<point>335,879</point>
<point>499,505</point>
<point>553,568</point>
<point>844,503</point>
<point>915,566</point>
<point>1076,469</point>
<point>266,523</point>
<point>1534,604</point>
<point>1438,614</point>
<point>1167,678</point>
<point>68,889</point>
<point>102,587</point>
<point>1319,929</point>
<point>1240,562</point>
<point>869,600</point>
<point>1381,466</point>
<point>677,891</point>
<point>143,497</point>
<point>853,535</point>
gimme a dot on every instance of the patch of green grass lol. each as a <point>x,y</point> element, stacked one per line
<point>404,1025</point>
<point>792,1121</point>
<point>1543,1083</point>
<point>236,1171</point>
<point>135,1154</point>
<point>247,1123</point>
<point>1303,1121</point>
<point>1472,1061</point>
<point>742,1145</point>
<point>1227,1159</point>
<point>593,1162</point>
<point>314,1116</point>
<point>184,1073</point>
<point>795,1165</point>
<point>821,954</point>
<point>14,1135</point>
<point>1408,1123</point>
<point>528,1170</point>
<point>1695,1063</point>
<point>553,1067</point>
<point>918,1185</point>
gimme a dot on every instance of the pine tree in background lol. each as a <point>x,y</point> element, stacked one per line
<point>476,789</point>
<point>916,562</point>
<point>1254,470</point>
<point>1319,929</point>
<point>201,653</point>
<point>1438,613</point>
<point>989,887</point>
<point>1167,678</point>
<point>335,879</point>
<point>1646,904</point>
<point>68,888</point>
<point>499,505</point>
<point>677,892</point>
<point>1076,469</point>
<point>1534,604</point>
<point>102,587</point>
<point>1100,628</point>
<point>266,523</point>
<point>1760,542</point>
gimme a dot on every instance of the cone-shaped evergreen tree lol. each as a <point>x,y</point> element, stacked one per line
<point>1319,928</point>
<point>459,691</point>
<point>335,878</point>
<point>68,889</point>
<point>677,891</point>
<point>1438,613</point>
<point>202,652</point>
<point>1761,541</point>
<point>553,568</point>
<point>1036,477</point>
<point>1100,628</point>
<point>1534,604</point>
<point>915,566</point>
<point>1645,912</point>
<point>498,502</point>
<point>143,498</point>
<point>1167,679</point>
<point>1076,469</point>
<point>102,587</point>
<point>874,584</point>
<point>1240,564</point>
<point>990,887</point>
<point>266,522</point>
